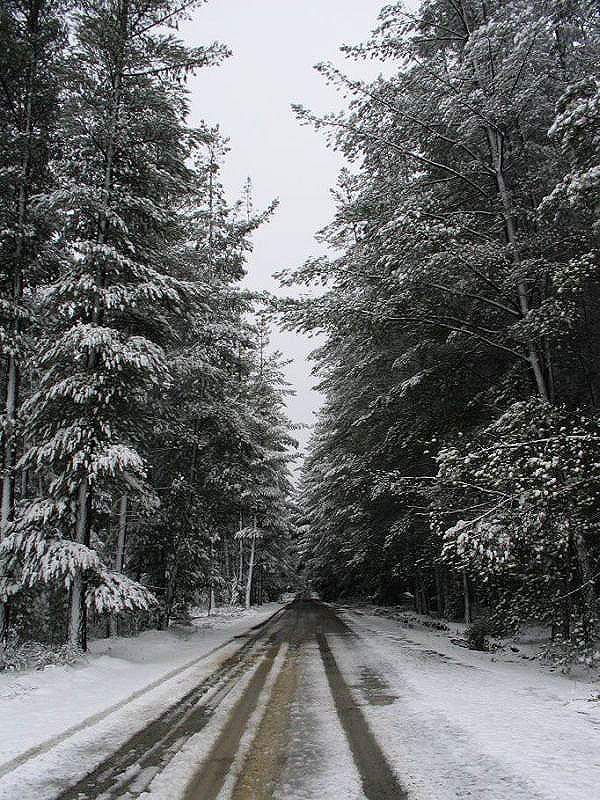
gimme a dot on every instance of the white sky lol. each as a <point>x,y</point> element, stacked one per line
<point>275,45</point>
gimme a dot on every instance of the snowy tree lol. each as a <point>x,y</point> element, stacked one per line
<point>121,170</point>
<point>463,295</point>
<point>203,451</point>
<point>32,39</point>
<point>530,486</point>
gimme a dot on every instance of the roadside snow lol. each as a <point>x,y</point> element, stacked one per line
<point>527,645</point>
<point>456,723</point>
<point>60,722</point>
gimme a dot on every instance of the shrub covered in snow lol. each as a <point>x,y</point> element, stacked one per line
<point>18,655</point>
<point>477,633</point>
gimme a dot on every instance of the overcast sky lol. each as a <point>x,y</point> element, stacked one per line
<point>275,45</point>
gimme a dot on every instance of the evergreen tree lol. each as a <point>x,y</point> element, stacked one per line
<point>460,311</point>
<point>203,453</point>
<point>120,174</point>
<point>32,40</point>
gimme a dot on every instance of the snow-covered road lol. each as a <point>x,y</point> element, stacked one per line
<point>321,703</point>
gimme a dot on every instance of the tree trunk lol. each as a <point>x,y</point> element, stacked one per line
<point>24,488</point>
<point>8,478</point>
<point>549,370</point>
<point>170,596</point>
<point>565,618</point>
<point>438,590</point>
<point>250,566</point>
<point>445,593</point>
<point>12,387</point>
<point>417,595</point>
<point>423,591</point>
<point>211,589</point>
<point>467,597</point>
<point>495,144</point>
<point>226,566</point>
<point>78,617</point>
<point>120,556</point>
<point>241,555</point>
<point>258,583</point>
<point>589,590</point>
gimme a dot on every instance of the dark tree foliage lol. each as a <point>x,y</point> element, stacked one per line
<point>456,456</point>
<point>146,447</point>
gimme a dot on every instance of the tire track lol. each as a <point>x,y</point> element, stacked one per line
<point>378,780</point>
<point>247,757</point>
<point>213,774</point>
<point>265,760</point>
<point>150,749</point>
<point>261,763</point>
<point>44,747</point>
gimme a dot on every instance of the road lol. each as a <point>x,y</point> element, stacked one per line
<point>315,706</point>
<point>283,750</point>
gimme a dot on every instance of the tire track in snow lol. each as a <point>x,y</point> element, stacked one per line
<point>45,747</point>
<point>378,779</point>
<point>152,746</point>
<point>238,733</point>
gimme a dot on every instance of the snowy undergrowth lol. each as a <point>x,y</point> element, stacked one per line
<point>19,656</point>
<point>531,643</point>
<point>23,656</point>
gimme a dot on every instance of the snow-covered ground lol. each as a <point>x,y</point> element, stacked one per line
<point>451,723</point>
<point>531,643</point>
<point>52,718</point>
<point>456,723</point>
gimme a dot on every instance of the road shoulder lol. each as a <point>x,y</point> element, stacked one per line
<point>459,722</point>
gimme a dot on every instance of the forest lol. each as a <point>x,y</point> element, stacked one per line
<point>146,450</point>
<point>147,453</point>
<point>300,471</point>
<point>456,461</point>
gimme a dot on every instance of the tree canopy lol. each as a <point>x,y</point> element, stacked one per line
<point>455,458</point>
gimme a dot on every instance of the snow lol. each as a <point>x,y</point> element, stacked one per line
<point>319,762</point>
<point>450,721</point>
<point>60,722</point>
<point>457,722</point>
<point>172,782</point>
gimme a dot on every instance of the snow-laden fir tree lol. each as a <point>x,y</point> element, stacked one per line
<point>199,444</point>
<point>121,174</point>
<point>32,39</point>
<point>265,487</point>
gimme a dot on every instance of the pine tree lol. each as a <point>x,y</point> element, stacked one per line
<point>32,39</point>
<point>203,424</point>
<point>121,172</point>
